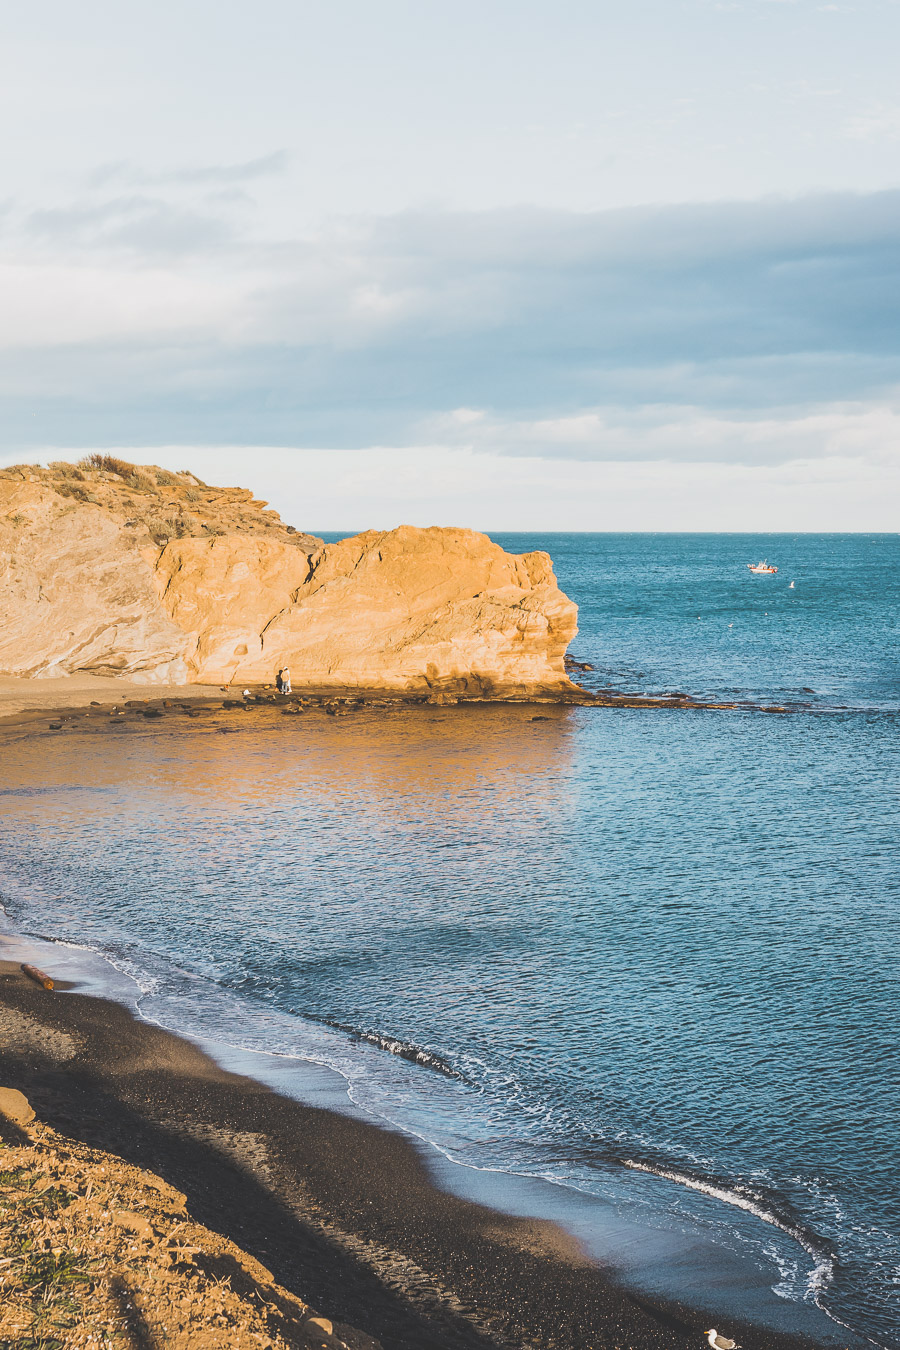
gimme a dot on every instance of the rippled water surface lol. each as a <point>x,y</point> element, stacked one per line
<point>666,939</point>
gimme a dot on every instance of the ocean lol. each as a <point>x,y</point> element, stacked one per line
<point>646,955</point>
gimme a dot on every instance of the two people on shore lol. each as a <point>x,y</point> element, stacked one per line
<point>283,681</point>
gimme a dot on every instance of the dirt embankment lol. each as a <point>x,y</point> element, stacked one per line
<point>96,1253</point>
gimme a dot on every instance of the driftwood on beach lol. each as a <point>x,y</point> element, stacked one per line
<point>38,976</point>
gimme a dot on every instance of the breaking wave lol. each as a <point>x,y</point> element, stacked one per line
<point>742,1197</point>
<point>416,1054</point>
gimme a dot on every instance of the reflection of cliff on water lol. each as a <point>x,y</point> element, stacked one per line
<point>440,751</point>
<point>314,791</point>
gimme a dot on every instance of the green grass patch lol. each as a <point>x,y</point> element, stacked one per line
<point>55,1270</point>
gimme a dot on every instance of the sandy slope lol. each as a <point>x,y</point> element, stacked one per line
<point>97,1253</point>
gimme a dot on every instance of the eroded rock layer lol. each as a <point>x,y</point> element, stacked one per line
<point>109,569</point>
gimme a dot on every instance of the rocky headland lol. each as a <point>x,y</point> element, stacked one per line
<point>109,569</point>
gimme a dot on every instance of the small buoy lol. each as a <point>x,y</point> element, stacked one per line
<point>37,975</point>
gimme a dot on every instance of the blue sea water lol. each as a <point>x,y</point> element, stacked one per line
<point>605,947</point>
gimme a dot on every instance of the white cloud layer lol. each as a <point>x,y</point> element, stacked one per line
<point>431,484</point>
<point>588,261</point>
<point>697,331</point>
<point>829,432</point>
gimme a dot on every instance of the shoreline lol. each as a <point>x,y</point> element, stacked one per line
<point>262,718</point>
<point>468,1274</point>
<point>28,703</point>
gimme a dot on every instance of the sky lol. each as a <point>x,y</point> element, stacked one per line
<point>513,264</point>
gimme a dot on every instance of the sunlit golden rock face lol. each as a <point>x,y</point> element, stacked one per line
<point>435,609</point>
<point>174,581</point>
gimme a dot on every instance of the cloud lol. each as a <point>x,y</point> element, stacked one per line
<point>675,434</point>
<point>143,225</point>
<point>878,122</point>
<point>124,171</point>
<point>743,331</point>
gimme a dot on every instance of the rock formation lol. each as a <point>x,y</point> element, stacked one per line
<point>114,570</point>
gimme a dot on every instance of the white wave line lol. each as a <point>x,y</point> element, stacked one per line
<point>819,1278</point>
<point>823,1272</point>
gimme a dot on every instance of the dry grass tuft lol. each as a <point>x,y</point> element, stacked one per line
<point>168,527</point>
<point>64,470</point>
<point>19,470</point>
<point>108,464</point>
<point>130,474</point>
<point>78,491</point>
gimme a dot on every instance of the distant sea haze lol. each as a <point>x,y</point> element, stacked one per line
<point>608,946</point>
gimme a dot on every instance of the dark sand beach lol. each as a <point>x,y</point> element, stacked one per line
<point>342,1212</point>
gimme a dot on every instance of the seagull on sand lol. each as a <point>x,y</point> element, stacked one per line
<point>720,1342</point>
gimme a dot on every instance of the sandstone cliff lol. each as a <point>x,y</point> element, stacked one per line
<point>109,569</point>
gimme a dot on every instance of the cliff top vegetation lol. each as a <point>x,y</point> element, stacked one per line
<point>155,502</point>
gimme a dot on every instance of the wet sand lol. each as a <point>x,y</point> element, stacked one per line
<point>343,1212</point>
<point>18,696</point>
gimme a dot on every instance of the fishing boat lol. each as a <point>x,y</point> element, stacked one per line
<point>762,569</point>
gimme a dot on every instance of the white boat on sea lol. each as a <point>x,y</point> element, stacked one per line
<point>762,569</point>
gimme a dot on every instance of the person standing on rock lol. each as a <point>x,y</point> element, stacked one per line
<point>286,681</point>
<point>279,682</point>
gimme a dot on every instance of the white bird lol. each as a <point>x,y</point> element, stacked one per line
<point>791,587</point>
<point>720,1342</point>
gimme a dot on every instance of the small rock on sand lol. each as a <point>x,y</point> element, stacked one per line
<point>134,1223</point>
<point>15,1106</point>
